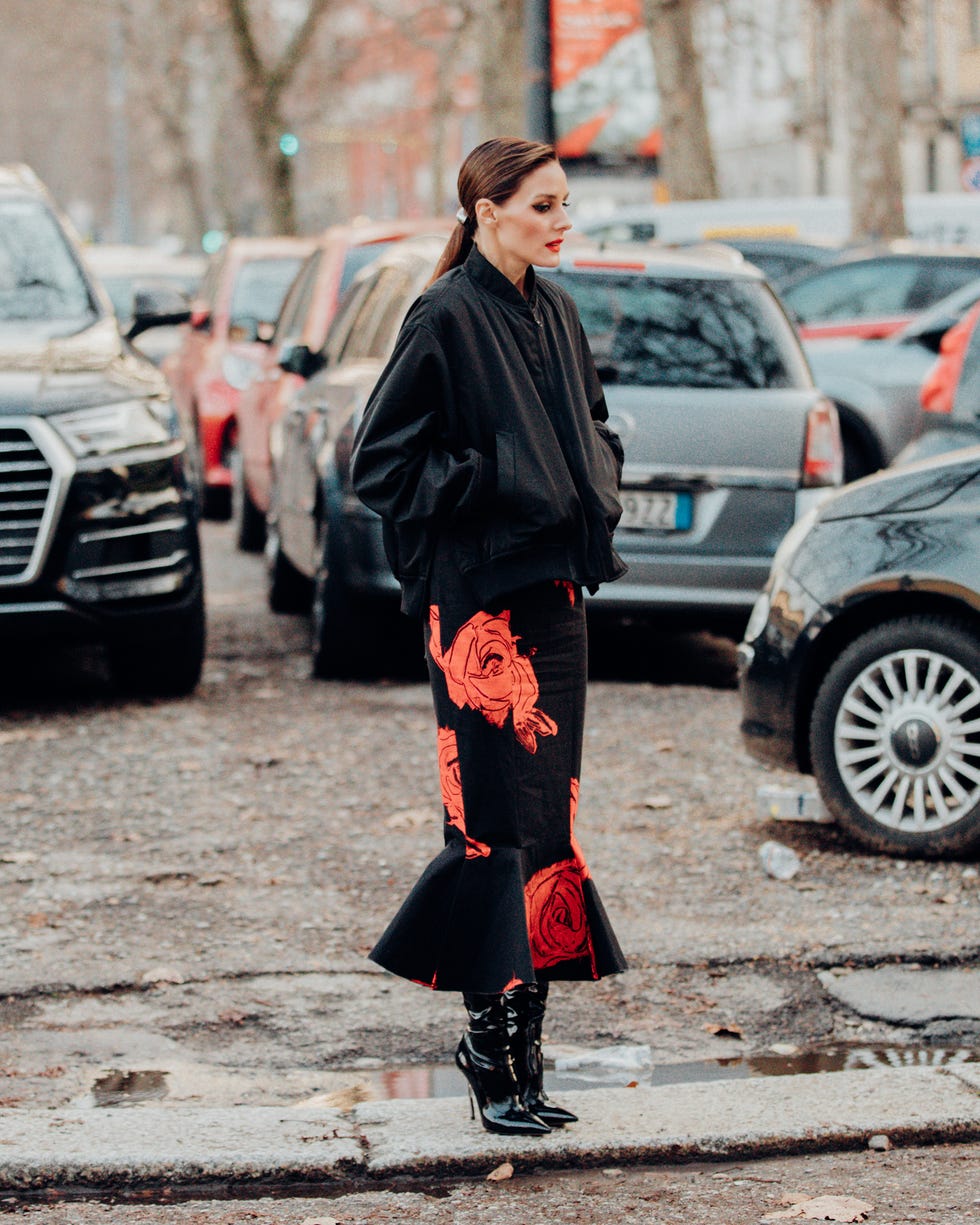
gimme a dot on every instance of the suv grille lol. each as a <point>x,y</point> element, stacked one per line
<point>26,479</point>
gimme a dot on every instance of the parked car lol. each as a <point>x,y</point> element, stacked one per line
<point>726,440</point>
<point>126,270</point>
<point>98,522</point>
<point>232,318</point>
<point>779,257</point>
<point>726,437</point>
<point>861,660</point>
<point>324,548</point>
<point>872,293</point>
<point>950,395</point>
<point>293,355</point>
<point>876,384</point>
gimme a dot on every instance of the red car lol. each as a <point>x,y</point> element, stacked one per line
<point>231,319</point>
<point>294,354</point>
<point>867,296</point>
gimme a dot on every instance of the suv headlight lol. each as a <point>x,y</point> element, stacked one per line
<point>109,428</point>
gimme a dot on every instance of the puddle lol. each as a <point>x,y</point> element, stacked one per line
<point>614,1067</point>
<point>437,1080</point>
<point>129,1088</point>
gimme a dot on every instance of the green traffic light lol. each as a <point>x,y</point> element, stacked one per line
<point>288,144</point>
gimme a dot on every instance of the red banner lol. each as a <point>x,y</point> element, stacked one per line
<point>603,92</point>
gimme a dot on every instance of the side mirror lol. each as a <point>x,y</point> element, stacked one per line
<point>200,319</point>
<point>299,359</point>
<point>157,307</point>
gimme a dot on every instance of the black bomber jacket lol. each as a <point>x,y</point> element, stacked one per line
<point>487,428</point>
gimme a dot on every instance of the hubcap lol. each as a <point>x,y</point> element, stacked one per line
<point>907,740</point>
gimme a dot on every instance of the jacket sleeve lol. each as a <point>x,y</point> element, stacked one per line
<point>401,466</point>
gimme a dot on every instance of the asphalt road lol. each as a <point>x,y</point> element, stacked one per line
<point>188,889</point>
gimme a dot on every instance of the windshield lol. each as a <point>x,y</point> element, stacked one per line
<point>39,276</point>
<point>686,332</point>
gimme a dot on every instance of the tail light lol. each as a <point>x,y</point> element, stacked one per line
<point>823,452</point>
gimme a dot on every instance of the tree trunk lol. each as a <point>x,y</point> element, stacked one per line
<point>872,57</point>
<point>263,95</point>
<point>503,75</point>
<point>687,161</point>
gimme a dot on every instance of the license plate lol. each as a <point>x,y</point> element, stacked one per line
<point>655,510</point>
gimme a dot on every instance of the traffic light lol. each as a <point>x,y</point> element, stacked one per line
<point>289,144</point>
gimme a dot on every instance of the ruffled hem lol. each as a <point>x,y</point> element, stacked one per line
<point>464,926</point>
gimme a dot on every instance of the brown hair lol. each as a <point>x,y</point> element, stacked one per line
<point>493,171</point>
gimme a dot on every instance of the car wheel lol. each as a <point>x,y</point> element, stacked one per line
<point>895,737</point>
<point>342,623</point>
<point>248,519</point>
<point>166,663</point>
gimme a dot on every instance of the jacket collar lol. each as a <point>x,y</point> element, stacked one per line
<point>493,280</point>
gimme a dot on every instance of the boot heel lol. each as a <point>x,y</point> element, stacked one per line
<point>469,1094</point>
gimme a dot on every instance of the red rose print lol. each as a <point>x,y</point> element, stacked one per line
<point>484,671</point>
<point>556,922</point>
<point>452,791</point>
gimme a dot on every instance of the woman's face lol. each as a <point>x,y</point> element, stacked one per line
<point>530,226</point>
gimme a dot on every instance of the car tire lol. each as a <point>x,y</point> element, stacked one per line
<point>895,737</point>
<point>342,624</point>
<point>166,663</point>
<point>288,591</point>
<point>248,519</point>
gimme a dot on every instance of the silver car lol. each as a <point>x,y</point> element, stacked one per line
<point>727,439</point>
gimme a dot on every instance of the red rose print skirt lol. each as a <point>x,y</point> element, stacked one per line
<point>510,898</point>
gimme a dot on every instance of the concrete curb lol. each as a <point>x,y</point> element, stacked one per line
<point>252,1147</point>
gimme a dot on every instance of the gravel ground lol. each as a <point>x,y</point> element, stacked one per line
<point>192,886</point>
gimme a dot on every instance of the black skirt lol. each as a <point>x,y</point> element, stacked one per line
<point>510,899</point>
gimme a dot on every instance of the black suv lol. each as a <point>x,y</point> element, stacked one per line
<point>98,515</point>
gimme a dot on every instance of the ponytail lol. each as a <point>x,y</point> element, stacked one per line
<point>456,249</point>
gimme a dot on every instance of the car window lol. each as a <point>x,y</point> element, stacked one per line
<point>940,277</point>
<point>343,321</point>
<point>368,335</point>
<point>852,291</point>
<point>686,332</point>
<point>260,287</point>
<point>359,257</point>
<point>39,275</point>
<point>296,304</point>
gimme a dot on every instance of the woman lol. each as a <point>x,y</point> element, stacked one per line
<point>484,449</point>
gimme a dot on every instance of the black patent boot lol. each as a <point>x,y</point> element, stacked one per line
<point>483,1056</point>
<point>525,1014</point>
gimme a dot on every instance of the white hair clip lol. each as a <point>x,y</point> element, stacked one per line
<point>461,215</point>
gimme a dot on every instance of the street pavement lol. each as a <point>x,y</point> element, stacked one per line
<point>180,883</point>
<point>248,1147</point>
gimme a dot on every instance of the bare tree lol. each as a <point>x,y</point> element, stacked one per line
<point>503,73</point>
<point>687,160</point>
<point>265,85</point>
<point>872,58</point>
